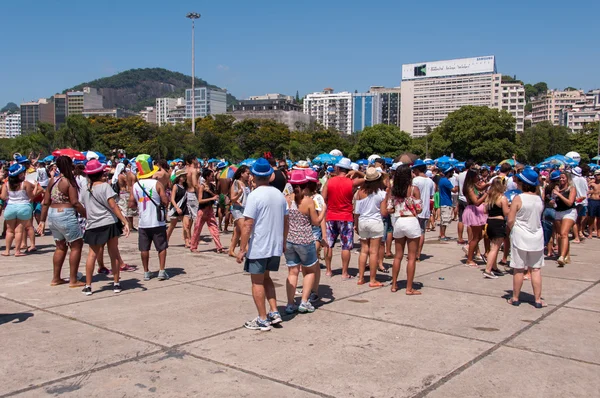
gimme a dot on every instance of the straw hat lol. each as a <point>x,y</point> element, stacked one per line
<point>372,174</point>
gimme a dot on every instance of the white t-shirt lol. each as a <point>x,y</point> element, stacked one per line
<point>511,184</point>
<point>43,177</point>
<point>461,182</point>
<point>582,188</point>
<point>427,188</point>
<point>369,208</point>
<point>267,206</point>
<point>319,202</point>
<point>147,210</point>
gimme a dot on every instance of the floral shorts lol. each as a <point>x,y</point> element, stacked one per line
<point>343,229</point>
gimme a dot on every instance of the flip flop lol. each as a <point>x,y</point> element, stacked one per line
<point>376,284</point>
<point>540,305</point>
<point>32,250</point>
<point>62,282</point>
<point>413,293</point>
<point>384,270</point>
<point>20,255</point>
<point>128,268</point>
<point>349,277</point>
<point>5,255</point>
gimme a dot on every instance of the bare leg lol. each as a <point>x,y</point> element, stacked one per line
<point>113,251</point>
<point>11,227</point>
<point>60,253</point>
<point>187,230</point>
<point>162,259</point>
<point>258,294</point>
<point>172,225</point>
<point>375,248</point>
<point>308,281</point>
<point>412,245</point>
<point>345,263</point>
<point>536,283</point>
<point>145,260</point>
<point>328,258</point>
<point>493,255</point>
<point>397,261</point>
<point>291,283</point>
<point>460,230</point>
<point>74,260</point>
<point>235,239</point>
<point>20,238</point>
<point>270,292</point>
<point>89,264</point>
<point>565,227</point>
<point>362,260</point>
<point>517,283</point>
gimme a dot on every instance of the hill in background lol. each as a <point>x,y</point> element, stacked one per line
<point>11,107</point>
<point>136,88</point>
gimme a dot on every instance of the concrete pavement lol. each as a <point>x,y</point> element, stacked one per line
<point>184,336</point>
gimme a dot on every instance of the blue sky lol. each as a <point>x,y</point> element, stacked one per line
<point>259,47</point>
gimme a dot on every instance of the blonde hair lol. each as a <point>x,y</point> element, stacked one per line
<point>495,192</point>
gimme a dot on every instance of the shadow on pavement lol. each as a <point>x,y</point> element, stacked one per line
<point>19,317</point>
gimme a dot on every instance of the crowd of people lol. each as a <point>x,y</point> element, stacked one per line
<point>300,214</point>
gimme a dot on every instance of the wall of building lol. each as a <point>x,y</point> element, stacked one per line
<point>293,119</point>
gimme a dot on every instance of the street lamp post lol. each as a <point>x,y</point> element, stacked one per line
<point>193,16</point>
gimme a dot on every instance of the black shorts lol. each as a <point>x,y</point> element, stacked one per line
<point>158,235</point>
<point>496,228</point>
<point>99,236</point>
<point>461,208</point>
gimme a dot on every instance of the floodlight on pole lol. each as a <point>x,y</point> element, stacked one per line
<point>193,16</point>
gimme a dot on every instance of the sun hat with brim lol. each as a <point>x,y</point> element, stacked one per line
<point>94,167</point>
<point>301,165</point>
<point>261,168</point>
<point>330,169</point>
<point>179,173</point>
<point>418,163</point>
<point>222,165</point>
<point>529,176</point>
<point>22,159</point>
<point>298,177</point>
<point>372,174</point>
<point>555,175</point>
<point>576,171</point>
<point>597,173</point>
<point>15,170</point>
<point>448,169</point>
<point>311,175</point>
<point>395,166</point>
<point>144,166</point>
<point>344,163</point>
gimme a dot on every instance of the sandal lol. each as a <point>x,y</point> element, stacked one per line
<point>541,304</point>
<point>384,270</point>
<point>128,268</point>
<point>513,302</point>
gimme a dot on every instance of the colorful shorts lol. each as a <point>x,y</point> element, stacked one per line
<point>343,229</point>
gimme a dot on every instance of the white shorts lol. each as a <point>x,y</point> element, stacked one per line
<point>369,229</point>
<point>407,227</point>
<point>523,259</point>
<point>570,214</point>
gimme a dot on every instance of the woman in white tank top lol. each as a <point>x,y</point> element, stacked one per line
<point>527,237</point>
<point>17,193</point>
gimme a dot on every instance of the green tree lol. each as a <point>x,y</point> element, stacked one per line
<point>476,132</point>
<point>382,139</point>
<point>541,141</point>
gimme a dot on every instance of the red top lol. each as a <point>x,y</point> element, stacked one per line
<point>339,199</point>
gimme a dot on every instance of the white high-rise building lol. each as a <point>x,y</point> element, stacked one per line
<point>432,90</point>
<point>548,106</point>
<point>512,100</point>
<point>10,125</point>
<point>164,106</point>
<point>331,109</point>
<point>208,101</point>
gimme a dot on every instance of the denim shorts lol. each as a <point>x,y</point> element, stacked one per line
<point>19,211</point>
<point>304,255</point>
<point>261,265</point>
<point>317,233</point>
<point>237,212</point>
<point>64,225</point>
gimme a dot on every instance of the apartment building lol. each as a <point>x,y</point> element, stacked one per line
<point>88,98</point>
<point>207,101</point>
<point>512,100</point>
<point>331,109</point>
<point>548,106</point>
<point>389,104</point>
<point>164,106</point>
<point>268,102</point>
<point>432,90</point>
<point>583,112</point>
<point>148,114</point>
<point>74,103</point>
<point>30,114</point>
<point>10,125</point>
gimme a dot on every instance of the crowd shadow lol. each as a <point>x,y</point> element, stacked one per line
<point>401,285</point>
<point>19,317</point>
<point>126,284</point>
<point>524,297</point>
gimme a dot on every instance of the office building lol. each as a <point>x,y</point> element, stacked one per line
<point>366,110</point>
<point>432,90</point>
<point>60,110</point>
<point>269,102</point>
<point>10,125</point>
<point>30,114</point>
<point>512,100</point>
<point>208,101</point>
<point>332,110</point>
<point>389,104</point>
<point>293,119</point>
<point>148,114</point>
<point>548,106</point>
<point>164,106</point>
<point>74,103</point>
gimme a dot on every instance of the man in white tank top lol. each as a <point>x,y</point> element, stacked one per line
<point>149,196</point>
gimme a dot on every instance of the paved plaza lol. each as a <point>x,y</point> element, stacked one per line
<point>184,337</point>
